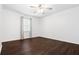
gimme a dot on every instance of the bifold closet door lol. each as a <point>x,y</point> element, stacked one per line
<point>26,28</point>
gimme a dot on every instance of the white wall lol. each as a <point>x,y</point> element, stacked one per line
<point>62,26</point>
<point>12,25</point>
<point>0,19</point>
<point>0,25</point>
<point>35,27</point>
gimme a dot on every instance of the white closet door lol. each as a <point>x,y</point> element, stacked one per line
<point>26,28</point>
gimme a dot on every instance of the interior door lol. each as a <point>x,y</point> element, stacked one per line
<point>25,28</point>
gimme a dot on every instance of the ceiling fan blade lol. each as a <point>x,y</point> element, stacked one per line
<point>32,6</point>
<point>39,5</point>
<point>49,8</point>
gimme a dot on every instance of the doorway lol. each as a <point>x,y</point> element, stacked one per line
<point>26,27</point>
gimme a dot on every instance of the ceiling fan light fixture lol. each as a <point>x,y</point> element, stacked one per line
<point>40,8</point>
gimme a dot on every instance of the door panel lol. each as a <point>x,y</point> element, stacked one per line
<point>25,28</point>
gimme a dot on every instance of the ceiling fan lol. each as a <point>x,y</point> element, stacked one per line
<point>40,8</point>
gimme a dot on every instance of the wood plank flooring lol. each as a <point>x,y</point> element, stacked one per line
<point>39,46</point>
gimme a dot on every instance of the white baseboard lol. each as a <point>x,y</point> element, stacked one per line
<point>64,40</point>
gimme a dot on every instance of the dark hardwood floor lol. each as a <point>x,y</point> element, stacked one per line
<point>39,46</point>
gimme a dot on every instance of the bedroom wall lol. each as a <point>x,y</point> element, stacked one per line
<point>62,26</point>
<point>12,25</point>
<point>0,18</point>
<point>0,25</point>
<point>35,27</point>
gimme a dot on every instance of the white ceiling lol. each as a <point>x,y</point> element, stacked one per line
<point>22,8</point>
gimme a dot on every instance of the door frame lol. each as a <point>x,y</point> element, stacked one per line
<point>21,27</point>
